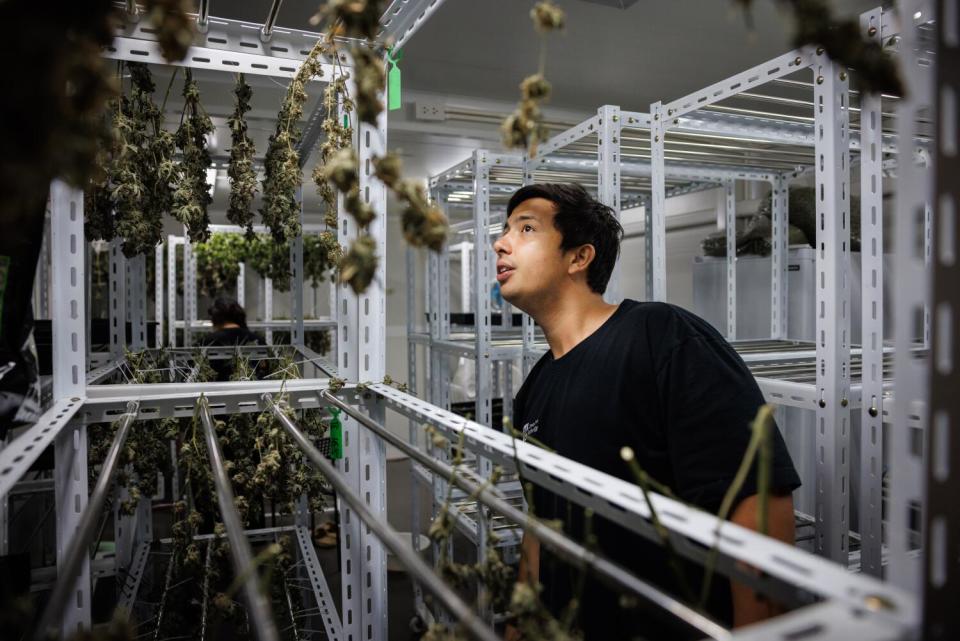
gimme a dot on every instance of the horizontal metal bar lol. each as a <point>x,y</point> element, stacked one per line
<point>460,169</point>
<point>634,120</point>
<point>96,375</point>
<point>623,502</point>
<point>780,66</point>
<point>259,611</point>
<point>565,548</point>
<point>568,137</point>
<point>822,622</point>
<point>105,402</point>
<point>461,612</point>
<point>148,51</point>
<point>403,18</point>
<point>79,545</point>
<point>17,457</point>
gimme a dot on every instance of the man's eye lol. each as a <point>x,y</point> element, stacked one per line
<point>527,228</point>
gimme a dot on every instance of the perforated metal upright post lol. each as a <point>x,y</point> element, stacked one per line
<point>158,294</point>
<point>372,324</point>
<point>528,328</point>
<point>483,271</point>
<point>832,440</point>
<point>608,180</point>
<point>268,308</point>
<point>137,297</point>
<point>656,223</point>
<point>942,532</point>
<point>189,289</point>
<point>117,278</point>
<point>241,285</point>
<point>171,290</point>
<point>914,193</point>
<point>296,278</point>
<point>779,257</point>
<point>871,318</point>
<point>69,380</point>
<point>730,226</point>
<point>348,342</point>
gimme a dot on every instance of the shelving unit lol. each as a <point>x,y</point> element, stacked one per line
<point>908,521</point>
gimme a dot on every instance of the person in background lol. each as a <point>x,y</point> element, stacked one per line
<point>229,329</point>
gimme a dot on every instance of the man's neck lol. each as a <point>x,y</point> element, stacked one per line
<point>568,320</point>
<point>228,325</point>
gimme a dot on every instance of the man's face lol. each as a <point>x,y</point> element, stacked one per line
<point>530,263</point>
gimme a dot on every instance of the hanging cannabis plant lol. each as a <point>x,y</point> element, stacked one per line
<point>243,177</point>
<point>282,173</point>
<point>338,135</point>
<point>321,254</point>
<point>423,223</point>
<point>143,168</point>
<point>524,127</point>
<point>192,197</point>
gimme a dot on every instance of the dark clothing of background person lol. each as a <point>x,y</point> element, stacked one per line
<point>229,337</point>
<point>662,381</point>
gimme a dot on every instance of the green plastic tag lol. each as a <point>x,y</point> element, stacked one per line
<point>393,81</point>
<point>336,435</point>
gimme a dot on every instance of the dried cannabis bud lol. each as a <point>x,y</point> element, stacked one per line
<point>192,195</point>
<point>359,265</point>
<point>547,16</point>
<point>243,177</point>
<point>370,81</point>
<point>174,26</point>
<point>424,225</point>
<point>321,253</point>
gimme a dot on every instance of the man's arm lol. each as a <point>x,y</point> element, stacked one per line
<point>529,570</point>
<point>748,606</point>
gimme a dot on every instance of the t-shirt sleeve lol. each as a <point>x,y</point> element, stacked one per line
<point>708,402</point>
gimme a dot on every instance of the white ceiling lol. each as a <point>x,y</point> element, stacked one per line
<point>655,49</point>
<point>477,51</point>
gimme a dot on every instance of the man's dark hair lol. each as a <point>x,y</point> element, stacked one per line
<point>581,220</point>
<point>227,310</point>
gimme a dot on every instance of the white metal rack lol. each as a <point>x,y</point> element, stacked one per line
<point>917,599</point>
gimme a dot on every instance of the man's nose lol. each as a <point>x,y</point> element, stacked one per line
<point>500,245</point>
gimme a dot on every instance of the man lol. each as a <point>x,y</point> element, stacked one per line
<point>229,321</point>
<point>650,376</point>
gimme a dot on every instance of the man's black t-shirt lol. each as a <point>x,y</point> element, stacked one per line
<point>664,382</point>
<point>229,337</point>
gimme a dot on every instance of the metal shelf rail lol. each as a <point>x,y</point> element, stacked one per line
<point>227,46</point>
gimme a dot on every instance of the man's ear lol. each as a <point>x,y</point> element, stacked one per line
<point>580,259</point>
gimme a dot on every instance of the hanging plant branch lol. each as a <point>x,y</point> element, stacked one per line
<point>192,196</point>
<point>524,128</point>
<point>243,177</point>
<point>424,224</point>
<point>283,176</point>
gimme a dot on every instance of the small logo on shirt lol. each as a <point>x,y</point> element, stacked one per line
<point>530,428</point>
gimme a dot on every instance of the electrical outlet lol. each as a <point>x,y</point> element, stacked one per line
<point>431,111</point>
